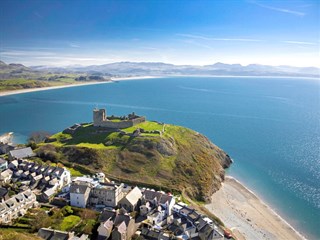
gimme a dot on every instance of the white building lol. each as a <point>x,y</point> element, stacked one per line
<point>79,195</point>
<point>106,194</point>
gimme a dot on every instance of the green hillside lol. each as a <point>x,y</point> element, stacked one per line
<point>18,76</point>
<point>162,155</point>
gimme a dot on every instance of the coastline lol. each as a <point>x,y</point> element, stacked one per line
<point>20,91</point>
<point>116,79</point>
<point>247,215</point>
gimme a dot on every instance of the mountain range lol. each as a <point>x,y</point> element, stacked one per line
<point>159,68</point>
<point>164,69</point>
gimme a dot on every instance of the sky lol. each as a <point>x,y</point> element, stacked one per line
<point>197,32</point>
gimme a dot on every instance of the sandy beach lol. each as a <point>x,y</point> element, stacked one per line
<point>247,216</point>
<point>19,91</point>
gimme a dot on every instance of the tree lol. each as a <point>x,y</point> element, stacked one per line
<point>41,220</point>
<point>38,137</point>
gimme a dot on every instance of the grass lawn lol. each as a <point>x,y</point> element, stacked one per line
<point>147,126</point>
<point>69,222</point>
<point>74,172</point>
<point>87,136</point>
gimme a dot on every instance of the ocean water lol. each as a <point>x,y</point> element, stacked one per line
<point>269,126</point>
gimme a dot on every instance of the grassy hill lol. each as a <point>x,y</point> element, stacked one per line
<point>18,76</point>
<point>163,156</point>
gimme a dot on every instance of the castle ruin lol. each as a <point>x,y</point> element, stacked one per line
<point>100,119</point>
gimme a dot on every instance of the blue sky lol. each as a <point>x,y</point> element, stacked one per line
<point>68,32</point>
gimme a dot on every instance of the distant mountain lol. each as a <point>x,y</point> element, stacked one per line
<point>13,67</point>
<point>160,69</point>
<point>14,70</point>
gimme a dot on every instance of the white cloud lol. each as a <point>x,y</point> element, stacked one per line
<point>299,42</point>
<point>73,45</point>
<point>284,10</point>
<point>218,39</point>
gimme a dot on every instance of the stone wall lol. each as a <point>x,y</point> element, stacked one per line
<point>119,125</point>
<point>100,120</point>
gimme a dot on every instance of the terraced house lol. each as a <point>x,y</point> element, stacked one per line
<point>17,206</point>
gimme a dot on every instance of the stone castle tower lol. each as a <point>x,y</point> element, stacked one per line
<point>99,116</point>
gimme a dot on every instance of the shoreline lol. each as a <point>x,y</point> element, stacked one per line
<point>112,80</point>
<point>116,79</point>
<point>241,210</point>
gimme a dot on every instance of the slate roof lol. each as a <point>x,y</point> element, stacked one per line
<point>151,195</point>
<point>153,234</point>
<point>121,218</point>
<point>193,216</point>
<point>51,234</point>
<point>186,211</point>
<point>13,164</point>
<point>58,171</point>
<point>3,192</point>
<point>107,214</point>
<point>22,153</point>
<point>200,223</point>
<point>78,188</point>
<point>49,171</point>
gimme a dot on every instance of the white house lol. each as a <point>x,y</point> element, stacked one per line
<point>79,195</point>
<point>106,194</point>
<point>63,176</point>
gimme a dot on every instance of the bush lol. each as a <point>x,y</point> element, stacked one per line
<point>67,210</point>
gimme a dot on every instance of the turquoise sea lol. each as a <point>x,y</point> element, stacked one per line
<point>269,126</point>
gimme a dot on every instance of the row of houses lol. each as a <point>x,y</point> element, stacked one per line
<point>30,175</point>
<point>155,213</point>
<point>17,206</point>
<point>162,221</point>
<point>30,180</point>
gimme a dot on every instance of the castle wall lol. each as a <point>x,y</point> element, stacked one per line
<point>120,125</point>
<point>100,120</point>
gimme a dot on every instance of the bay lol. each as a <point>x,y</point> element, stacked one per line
<point>269,126</point>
